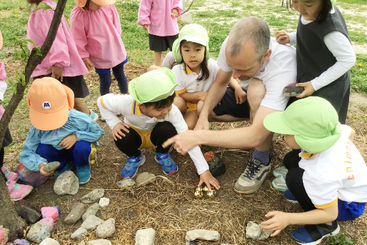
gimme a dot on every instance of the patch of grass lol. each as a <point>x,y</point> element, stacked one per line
<point>340,239</point>
<point>358,37</point>
<point>359,74</point>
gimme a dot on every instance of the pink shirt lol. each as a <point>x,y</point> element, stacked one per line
<point>98,35</point>
<point>157,15</point>
<point>63,51</point>
<point>2,72</point>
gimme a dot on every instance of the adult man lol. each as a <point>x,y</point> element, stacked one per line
<point>267,67</point>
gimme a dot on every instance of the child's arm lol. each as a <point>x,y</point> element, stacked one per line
<point>86,129</point>
<point>340,46</point>
<point>30,159</point>
<point>238,91</point>
<point>111,104</point>
<point>279,220</point>
<point>283,37</point>
<point>144,12</point>
<point>194,97</point>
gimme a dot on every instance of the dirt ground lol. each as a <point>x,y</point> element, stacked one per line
<point>168,206</point>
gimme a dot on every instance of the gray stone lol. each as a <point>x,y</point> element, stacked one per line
<point>99,242</point>
<point>92,210</point>
<point>49,241</point>
<point>126,183</point>
<point>206,235</point>
<point>66,183</point>
<point>106,229</point>
<point>93,196</point>
<point>91,222</point>
<point>145,178</point>
<point>254,231</point>
<point>27,212</point>
<point>104,202</point>
<point>145,237</point>
<point>79,233</point>
<point>75,214</point>
<point>38,232</point>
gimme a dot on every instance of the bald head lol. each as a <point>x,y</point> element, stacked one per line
<point>249,29</point>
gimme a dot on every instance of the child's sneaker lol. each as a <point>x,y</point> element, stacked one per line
<point>83,174</point>
<point>313,234</point>
<point>289,196</point>
<point>9,175</point>
<point>132,165</point>
<point>93,115</point>
<point>169,166</point>
<point>18,191</point>
<point>59,171</point>
<point>281,171</point>
<point>279,184</point>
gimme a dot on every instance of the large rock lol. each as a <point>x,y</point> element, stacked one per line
<point>93,196</point>
<point>75,214</point>
<point>199,234</point>
<point>66,183</point>
<point>126,183</point>
<point>254,231</point>
<point>92,210</point>
<point>79,233</point>
<point>91,222</point>
<point>40,230</point>
<point>99,242</point>
<point>106,229</point>
<point>145,178</point>
<point>49,241</point>
<point>145,237</point>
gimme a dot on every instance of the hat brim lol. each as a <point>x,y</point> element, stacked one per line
<point>275,122</point>
<point>51,121</point>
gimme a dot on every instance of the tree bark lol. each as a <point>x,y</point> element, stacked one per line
<point>9,217</point>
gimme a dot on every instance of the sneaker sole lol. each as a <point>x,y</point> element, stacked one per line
<point>84,182</point>
<point>333,233</point>
<point>142,162</point>
<point>172,173</point>
<point>20,198</point>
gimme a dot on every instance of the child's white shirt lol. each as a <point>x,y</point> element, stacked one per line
<point>112,104</point>
<point>187,79</point>
<point>340,172</point>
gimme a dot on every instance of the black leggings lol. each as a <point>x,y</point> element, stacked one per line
<point>131,142</point>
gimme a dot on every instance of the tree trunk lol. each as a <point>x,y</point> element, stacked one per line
<point>9,217</point>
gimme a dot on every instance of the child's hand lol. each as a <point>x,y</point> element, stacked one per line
<point>56,72</point>
<point>308,89</point>
<point>282,37</point>
<point>44,173</point>
<point>145,27</point>
<point>68,141</point>
<point>209,180</point>
<point>118,130</point>
<point>240,95</point>
<point>277,222</point>
<point>174,13</point>
<point>88,63</point>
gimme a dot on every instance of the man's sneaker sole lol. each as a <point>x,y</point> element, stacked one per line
<point>172,173</point>
<point>333,233</point>
<point>137,169</point>
<point>254,189</point>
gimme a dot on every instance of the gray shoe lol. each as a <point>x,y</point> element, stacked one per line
<point>252,178</point>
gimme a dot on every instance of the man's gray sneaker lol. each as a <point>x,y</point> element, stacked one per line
<point>252,178</point>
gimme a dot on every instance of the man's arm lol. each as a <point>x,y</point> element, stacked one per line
<point>246,137</point>
<point>213,97</point>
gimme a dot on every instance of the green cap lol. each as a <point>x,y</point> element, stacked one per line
<point>313,121</point>
<point>191,33</point>
<point>153,86</point>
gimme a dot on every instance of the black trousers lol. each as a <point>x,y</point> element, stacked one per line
<point>132,141</point>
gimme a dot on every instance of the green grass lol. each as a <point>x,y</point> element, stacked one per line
<point>359,74</point>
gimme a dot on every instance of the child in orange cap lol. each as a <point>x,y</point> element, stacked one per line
<point>58,133</point>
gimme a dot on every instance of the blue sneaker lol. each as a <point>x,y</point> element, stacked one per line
<point>93,115</point>
<point>169,166</point>
<point>59,170</point>
<point>289,196</point>
<point>132,165</point>
<point>83,174</point>
<point>313,234</point>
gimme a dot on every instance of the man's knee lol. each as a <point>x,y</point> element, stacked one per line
<point>255,93</point>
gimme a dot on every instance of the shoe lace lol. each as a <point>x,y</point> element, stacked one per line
<point>252,168</point>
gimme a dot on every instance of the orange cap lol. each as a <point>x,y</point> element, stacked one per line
<point>1,40</point>
<point>82,3</point>
<point>49,103</point>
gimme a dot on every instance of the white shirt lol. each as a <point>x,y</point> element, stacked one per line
<point>187,79</point>
<point>278,72</point>
<point>340,46</point>
<point>337,173</point>
<point>169,60</point>
<point>111,104</point>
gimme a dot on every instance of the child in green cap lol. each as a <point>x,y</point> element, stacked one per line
<point>330,180</point>
<point>149,120</point>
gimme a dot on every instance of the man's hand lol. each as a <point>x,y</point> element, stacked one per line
<point>174,13</point>
<point>309,90</point>
<point>276,222</point>
<point>240,95</point>
<point>88,63</point>
<point>282,37</point>
<point>56,72</point>
<point>44,173</point>
<point>68,141</point>
<point>182,142</point>
<point>209,180</point>
<point>119,129</point>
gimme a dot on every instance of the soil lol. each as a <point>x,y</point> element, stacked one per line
<point>168,205</point>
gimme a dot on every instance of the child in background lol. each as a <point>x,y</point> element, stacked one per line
<point>159,17</point>
<point>16,191</point>
<point>149,120</point>
<point>62,61</point>
<point>58,133</point>
<point>324,53</point>
<point>96,29</point>
<point>195,72</point>
<point>330,180</point>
